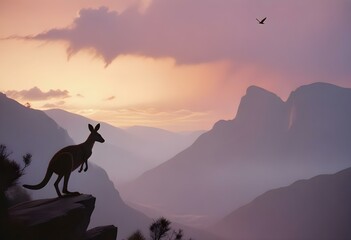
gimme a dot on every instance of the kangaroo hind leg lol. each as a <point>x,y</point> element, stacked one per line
<point>56,184</point>
<point>65,185</point>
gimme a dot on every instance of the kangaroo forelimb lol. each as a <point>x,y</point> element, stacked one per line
<point>86,166</point>
<point>81,167</point>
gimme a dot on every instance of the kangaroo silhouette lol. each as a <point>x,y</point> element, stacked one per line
<point>67,160</point>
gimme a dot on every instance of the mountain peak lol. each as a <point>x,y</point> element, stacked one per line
<point>258,97</point>
<point>321,85</point>
<point>257,102</point>
<point>255,91</point>
<point>254,88</point>
<point>318,89</point>
<point>270,143</point>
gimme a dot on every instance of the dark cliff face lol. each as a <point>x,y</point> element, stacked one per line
<point>317,208</point>
<point>270,143</point>
<point>58,219</point>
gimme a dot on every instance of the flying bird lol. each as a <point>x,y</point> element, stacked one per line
<point>261,21</point>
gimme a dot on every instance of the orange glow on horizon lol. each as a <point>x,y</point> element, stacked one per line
<point>181,94</point>
<point>158,92</point>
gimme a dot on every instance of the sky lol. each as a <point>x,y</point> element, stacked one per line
<point>174,64</point>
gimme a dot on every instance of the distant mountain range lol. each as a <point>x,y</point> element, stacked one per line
<point>129,152</point>
<point>270,143</point>
<point>25,130</point>
<point>315,209</point>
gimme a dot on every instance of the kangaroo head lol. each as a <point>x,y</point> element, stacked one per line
<point>94,134</point>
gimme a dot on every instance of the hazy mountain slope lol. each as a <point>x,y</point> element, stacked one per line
<point>128,152</point>
<point>120,164</point>
<point>27,130</point>
<point>22,129</point>
<point>270,143</point>
<point>160,144</point>
<point>318,208</point>
<point>76,125</point>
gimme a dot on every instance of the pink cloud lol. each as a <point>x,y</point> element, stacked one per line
<point>35,94</point>
<point>309,38</point>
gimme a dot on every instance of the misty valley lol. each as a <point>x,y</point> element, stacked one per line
<point>277,170</point>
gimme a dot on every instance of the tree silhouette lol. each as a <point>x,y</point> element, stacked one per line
<point>159,230</point>
<point>177,235</point>
<point>28,105</point>
<point>137,235</point>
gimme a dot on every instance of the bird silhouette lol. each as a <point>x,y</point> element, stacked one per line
<point>261,21</point>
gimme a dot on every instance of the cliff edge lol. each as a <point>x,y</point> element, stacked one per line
<point>65,218</point>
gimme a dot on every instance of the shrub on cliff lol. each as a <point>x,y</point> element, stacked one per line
<point>10,172</point>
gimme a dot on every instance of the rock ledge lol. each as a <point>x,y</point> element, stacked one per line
<point>64,218</point>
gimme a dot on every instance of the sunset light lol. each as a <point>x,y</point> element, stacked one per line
<point>188,86</point>
<point>175,119</point>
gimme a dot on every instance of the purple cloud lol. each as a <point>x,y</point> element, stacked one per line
<point>35,94</point>
<point>299,37</point>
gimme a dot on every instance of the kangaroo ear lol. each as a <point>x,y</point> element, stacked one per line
<point>91,128</point>
<point>97,127</point>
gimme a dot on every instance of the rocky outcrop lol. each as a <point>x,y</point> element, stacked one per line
<point>64,218</point>
<point>101,233</point>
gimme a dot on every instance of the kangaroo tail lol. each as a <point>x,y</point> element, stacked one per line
<point>43,183</point>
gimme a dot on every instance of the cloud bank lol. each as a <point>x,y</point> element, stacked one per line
<point>35,94</point>
<point>299,36</point>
